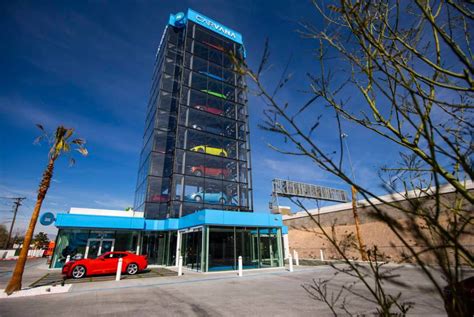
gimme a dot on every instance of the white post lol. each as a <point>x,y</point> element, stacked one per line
<point>137,249</point>
<point>178,248</point>
<point>286,245</point>
<point>180,265</point>
<point>321,254</point>
<point>68,258</point>
<point>290,261</point>
<point>297,259</point>
<point>119,270</point>
<point>240,266</point>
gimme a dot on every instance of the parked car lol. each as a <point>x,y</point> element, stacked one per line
<point>106,264</point>
<point>210,129</point>
<point>209,171</point>
<point>466,294</point>
<point>209,198</point>
<point>209,109</point>
<point>159,198</point>
<point>209,150</point>
<point>213,93</point>
<point>219,78</point>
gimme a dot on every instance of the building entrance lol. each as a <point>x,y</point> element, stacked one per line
<point>191,247</point>
<point>96,247</point>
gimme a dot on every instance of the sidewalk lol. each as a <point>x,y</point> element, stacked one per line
<point>187,277</point>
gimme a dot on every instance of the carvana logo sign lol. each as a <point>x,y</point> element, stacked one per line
<point>214,26</point>
<point>47,218</point>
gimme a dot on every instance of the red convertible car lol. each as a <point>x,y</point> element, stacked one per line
<point>105,264</point>
<point>210,171</point>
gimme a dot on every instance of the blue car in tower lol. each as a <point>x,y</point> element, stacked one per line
<point>209,198</point>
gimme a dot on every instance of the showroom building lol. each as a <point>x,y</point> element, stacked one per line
<point>194,187</point>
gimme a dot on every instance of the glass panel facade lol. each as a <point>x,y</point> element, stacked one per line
<point>196,150</point>
<point>221,254</point>
<point>258,247</point>
<point>160,247</point>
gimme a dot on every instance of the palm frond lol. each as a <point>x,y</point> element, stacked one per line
<point>83,151</point>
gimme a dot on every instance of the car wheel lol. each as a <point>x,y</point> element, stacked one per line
<point>222,154</point>
<point>132,269</point>
<point>78,272</point>
<point>200,150</point>
<point>222,201</point>
<point>197,173</point>
<point>198,199</point>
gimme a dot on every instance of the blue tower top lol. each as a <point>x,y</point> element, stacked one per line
<point>179,20</point>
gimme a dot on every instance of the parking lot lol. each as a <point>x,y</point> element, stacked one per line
<point>274,292</point>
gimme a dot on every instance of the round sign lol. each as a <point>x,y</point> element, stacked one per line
<point>47,218</point>
<point>179,19</point>
<point>178,16</point>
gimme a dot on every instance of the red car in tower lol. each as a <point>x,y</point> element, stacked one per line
<point>201,170</point>
<point>212,110</point>
<point>105,264</point>
<point>160,198</point>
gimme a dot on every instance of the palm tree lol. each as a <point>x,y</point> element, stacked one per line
<point>61,142</point>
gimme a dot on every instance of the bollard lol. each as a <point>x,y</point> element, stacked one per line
<point>68,258</point>
<point>322,254</point>
<point>180,266</point>
<point>290,261</point>
<point>240,266</point>
<point>297,259</point>
<point>119,269</point>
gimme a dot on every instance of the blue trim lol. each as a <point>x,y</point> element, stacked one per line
<point>179,20</point>
<point>102,222</point>
<point>206,217</point>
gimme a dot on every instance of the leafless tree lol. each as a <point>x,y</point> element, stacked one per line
<point>408,69</point>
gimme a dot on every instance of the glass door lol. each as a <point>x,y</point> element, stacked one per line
<point>107,245</point>
<point>191,245</point>
<point>96,247</point>
<point>221,249</point>
<point>92,248</point>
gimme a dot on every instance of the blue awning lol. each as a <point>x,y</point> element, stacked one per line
<point>206,217</point>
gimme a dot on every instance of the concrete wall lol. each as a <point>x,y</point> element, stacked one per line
<point>306,238</point>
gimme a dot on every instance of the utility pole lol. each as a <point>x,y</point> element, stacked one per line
<point>16,205</point>
<point>363,254</point>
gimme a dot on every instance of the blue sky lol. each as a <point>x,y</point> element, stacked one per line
<point>88,65</point>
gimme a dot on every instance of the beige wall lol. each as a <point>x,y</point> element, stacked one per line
<point>306,238</point>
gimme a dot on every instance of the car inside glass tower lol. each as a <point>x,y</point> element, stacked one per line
<point>196,152</point>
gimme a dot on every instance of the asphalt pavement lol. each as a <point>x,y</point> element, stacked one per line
<point>275,292</point>
<point>35,268</point>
